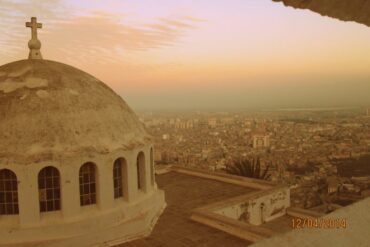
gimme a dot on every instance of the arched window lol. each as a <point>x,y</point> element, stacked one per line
<point>8,192</point>
<point>87,184</point>
<point>117,179</point>
<point>49,189</point>
<point>140,165</point>
<point>120,178</point>
<point>151,166</point>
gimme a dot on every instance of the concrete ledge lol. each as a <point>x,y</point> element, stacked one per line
<point>303,213</point>
<point>237,199</point>
<point>233,227</point>
<point>223,177</point>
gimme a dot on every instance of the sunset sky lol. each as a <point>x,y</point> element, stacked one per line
<point>199,53</point>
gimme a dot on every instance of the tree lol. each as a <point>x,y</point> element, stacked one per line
<point>248,168</point>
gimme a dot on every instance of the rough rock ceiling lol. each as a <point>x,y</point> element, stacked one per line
<point>345,10</point>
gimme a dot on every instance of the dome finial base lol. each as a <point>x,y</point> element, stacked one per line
<point>35,54</point>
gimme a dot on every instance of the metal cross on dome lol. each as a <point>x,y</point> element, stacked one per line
<point>34,44</point>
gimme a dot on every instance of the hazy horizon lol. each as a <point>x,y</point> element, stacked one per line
<point>199,55</point>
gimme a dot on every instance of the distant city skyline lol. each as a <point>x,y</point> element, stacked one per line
<point>200,54</point>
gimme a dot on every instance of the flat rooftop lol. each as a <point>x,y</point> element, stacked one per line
<point>183,194</point>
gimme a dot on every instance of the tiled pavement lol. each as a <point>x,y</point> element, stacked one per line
<point>184,193</point>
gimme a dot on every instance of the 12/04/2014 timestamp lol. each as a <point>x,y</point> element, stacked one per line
<point>319,223</point>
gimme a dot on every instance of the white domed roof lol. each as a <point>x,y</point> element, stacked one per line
<point>50,110</point>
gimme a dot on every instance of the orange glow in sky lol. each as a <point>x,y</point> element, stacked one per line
<point>200,54</point>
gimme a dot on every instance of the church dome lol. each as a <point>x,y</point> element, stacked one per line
<point>49,109</point>
<point>76,164</point>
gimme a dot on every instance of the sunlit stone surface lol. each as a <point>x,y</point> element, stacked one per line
<point>345,10</point>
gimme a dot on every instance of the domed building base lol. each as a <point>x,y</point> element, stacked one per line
<point>119,225</point>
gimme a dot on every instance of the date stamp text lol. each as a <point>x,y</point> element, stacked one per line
<point>319,223</point>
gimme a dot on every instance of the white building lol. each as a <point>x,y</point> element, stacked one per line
<point>260,139</point>
<point>74,159</point>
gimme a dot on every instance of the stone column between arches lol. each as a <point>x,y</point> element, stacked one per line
<point>148,176</point>
<point>70,191</point>
<point>104,183</point>
<point>28,197</point>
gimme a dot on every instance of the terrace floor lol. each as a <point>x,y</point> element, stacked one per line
<point>183,194</point>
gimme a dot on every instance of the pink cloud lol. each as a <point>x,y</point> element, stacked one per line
<point>103,36</point>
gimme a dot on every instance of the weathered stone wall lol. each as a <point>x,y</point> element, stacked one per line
<point>269,206</point>
<point>259,208</point>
